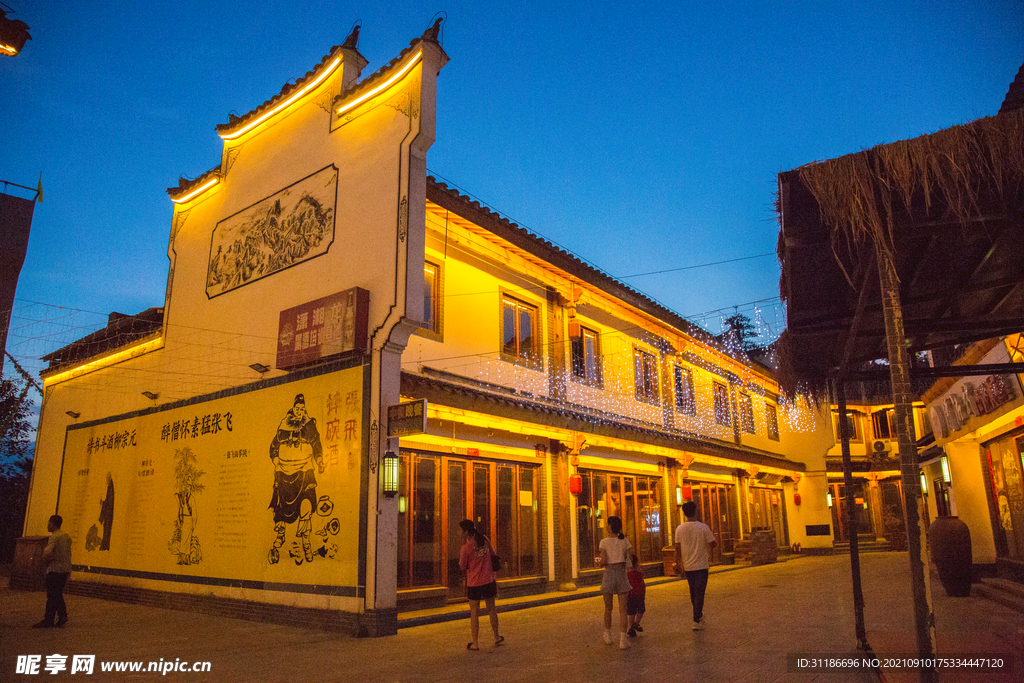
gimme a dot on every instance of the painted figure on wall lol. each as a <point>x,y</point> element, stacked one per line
<point>184,543</point>
<point>93,539</point>
<point>294,450</point>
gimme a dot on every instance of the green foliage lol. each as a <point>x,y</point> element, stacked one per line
<point>739,332</point>
<point>15,462</point>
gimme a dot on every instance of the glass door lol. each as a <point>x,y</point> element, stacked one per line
<point>455,512</point>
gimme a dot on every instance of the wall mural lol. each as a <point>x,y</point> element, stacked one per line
<point>260,486</point>
<point>288,227</point>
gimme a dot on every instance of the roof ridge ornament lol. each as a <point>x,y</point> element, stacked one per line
<point>433,32</point>
<point>353,38</point>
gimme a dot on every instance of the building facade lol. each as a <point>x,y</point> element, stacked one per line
<point>227,450</point>
<point>878,508</point>
<point>973,470</point>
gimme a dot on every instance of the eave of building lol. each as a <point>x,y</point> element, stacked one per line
<point>111,356</point>
<point>558,420</point>
<point>187,189</point>
<point>330,62</point>
<point>448,205</point>
<point>378,77</point>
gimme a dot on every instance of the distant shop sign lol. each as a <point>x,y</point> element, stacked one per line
<point>321,329</point>
<point>972,398</point>
<point>405,419</point>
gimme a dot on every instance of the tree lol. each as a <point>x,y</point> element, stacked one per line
<point>15,462</point>
<point>739,332</point>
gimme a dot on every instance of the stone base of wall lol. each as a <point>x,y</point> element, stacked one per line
<point>370,624</point>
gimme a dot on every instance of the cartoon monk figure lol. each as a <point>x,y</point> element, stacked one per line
<point>293,450</point>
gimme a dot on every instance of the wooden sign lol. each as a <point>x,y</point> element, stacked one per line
<point>320,329</point>
<point>408,418</point>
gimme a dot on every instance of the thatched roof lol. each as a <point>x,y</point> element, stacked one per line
<point>949,209</point>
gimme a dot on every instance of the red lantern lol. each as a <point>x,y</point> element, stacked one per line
<point>575,484</point>
<point>796,498</point>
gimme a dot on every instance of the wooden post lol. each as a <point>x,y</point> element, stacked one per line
<point>564,506</point>
<point>851,522</point>
<point>899,372</point>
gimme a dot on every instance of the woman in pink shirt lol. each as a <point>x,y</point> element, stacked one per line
<point>481,583</point>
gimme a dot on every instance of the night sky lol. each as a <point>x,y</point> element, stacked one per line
<point>640,139</point>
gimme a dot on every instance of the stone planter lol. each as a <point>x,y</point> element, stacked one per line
<point>950,543</point>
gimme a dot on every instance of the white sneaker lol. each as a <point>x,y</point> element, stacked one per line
<point>624,643</point>
<point>607,637</point>
<point>699,625</point>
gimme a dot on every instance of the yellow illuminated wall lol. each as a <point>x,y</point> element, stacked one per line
<point>185,494</point>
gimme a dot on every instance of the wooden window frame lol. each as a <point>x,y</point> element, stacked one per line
<point>723,412</point>
<point>745,407</point>
<point>771,420</point>
<point>646,379</point>
<point>684,390</point>
<point>578,358</point>
<point>852,415</point>
<point>535,361</point>
<point>887,414</point>
<point>437,292</point>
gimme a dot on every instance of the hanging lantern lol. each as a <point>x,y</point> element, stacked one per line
<point>575,484</point>
<point>796,499</point>
<point>389,470</point>
<point>13,34</point>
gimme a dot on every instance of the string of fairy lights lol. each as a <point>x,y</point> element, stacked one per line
<point>203,361</point>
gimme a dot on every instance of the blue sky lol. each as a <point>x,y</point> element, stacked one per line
<point>641,138</point>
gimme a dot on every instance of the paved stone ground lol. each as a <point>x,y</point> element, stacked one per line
<point>755,617</point>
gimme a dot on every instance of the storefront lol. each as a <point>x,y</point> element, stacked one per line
<point>1004,458</point>
<point>975,472</point>
<point>437,491</point>
<point>636,499</point>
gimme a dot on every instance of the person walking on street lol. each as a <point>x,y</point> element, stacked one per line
<point>614,557</point>
<point>481,582</point>
<point>636,603</point>
<point>57,555</point>
<point>693,539</point>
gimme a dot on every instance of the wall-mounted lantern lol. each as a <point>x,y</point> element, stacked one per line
<point>575,484</point>
<point>389,470</point>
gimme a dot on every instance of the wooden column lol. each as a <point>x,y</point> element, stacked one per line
<point>899,372</point>
<point>851,521</point>
<point>564,505</point>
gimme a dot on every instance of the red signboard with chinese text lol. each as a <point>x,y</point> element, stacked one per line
<point>320,329</point>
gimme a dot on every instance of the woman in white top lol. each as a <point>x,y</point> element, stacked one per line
<point>615,551</point>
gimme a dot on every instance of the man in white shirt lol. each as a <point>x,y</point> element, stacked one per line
<point>693,540</point>
<point>58,568</point>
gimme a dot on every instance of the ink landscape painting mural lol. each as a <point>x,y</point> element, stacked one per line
<point>258,490</point>
<point>288,227</point>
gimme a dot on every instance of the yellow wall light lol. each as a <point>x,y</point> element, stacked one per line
<point>105,361</point>
<point>199,190</point>
<point>383,86</point>
<point>284,105</point>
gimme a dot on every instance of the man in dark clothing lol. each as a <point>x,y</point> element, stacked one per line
<point>293,450</point>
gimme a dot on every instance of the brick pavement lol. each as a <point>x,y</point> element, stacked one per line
<point>755,616</point>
